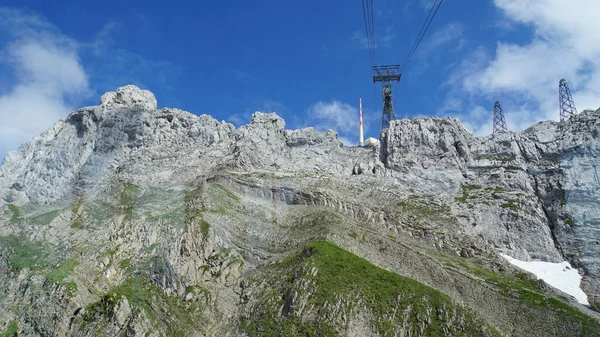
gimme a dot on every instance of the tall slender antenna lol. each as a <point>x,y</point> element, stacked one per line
<point>361,139</point>
<point>565,101</point>
<point>499,122</point>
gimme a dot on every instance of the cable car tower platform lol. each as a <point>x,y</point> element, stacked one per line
<point>386,74</point>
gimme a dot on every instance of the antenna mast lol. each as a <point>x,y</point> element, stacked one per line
<point>565,101</point>
<point>361,139</point>
<point>499,122</point>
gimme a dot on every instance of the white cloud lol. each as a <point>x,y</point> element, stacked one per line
<point>385,40</point>
<point>110,67</point>
<point>388,37</point>
<point>48,77</point>
<point>347,142</point>
<point>270,105</point>
<point>525,76</point>
<point>341,117</point>
<point>450,34</point>
<point>447,40</point>
<point>9,137</point>
<point>361,38</point>
<point>243,76</point>
<point>238,119</point>
<point>103,39</point>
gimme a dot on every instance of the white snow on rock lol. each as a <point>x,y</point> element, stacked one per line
<point>559,275</point>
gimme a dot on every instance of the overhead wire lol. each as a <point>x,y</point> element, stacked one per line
<point>366,29</point>
<point>432,13</point>
<point>367,6</point>
<point>373,46</point>
<point>421,32</point>
<point>427,6</point>
<point>368,17</point>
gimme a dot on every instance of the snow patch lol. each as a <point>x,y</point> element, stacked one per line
<point>559,275</point>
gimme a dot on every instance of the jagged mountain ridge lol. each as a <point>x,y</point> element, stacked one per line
<point>203,205</point>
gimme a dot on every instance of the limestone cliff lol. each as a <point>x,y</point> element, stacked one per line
<point>125,219</point>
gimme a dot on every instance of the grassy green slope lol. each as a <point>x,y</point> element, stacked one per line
<point>339,285</point>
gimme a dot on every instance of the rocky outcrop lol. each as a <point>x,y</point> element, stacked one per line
<point>126,218</point>
<point>129,97</point>
<point>427,143</point>
<point>126,133</point>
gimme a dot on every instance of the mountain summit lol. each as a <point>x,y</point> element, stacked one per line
<point>126,219</point>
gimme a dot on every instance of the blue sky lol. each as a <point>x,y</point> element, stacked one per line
<point>305,60</point>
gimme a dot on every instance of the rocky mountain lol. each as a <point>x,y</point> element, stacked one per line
<point>128,220</point>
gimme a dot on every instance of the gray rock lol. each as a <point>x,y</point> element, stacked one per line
<point>128,97</point>
<point>198,205</point>
<point>123,312</point>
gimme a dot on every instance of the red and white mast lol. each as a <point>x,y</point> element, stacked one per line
<point>361,140</point>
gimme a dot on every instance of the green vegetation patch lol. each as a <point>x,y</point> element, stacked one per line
<point>158,196</point>
<point>16,213</point>
<point>470,192</point>
<point>419,208</point>
<point>139,292</point>
<point>77,216</point>
<point>45,218</point>
<point>150,248</point>
<point>469,187</point>
<point>175,217</point>
<point>504,159</point>
<point>77,224</point>
<point>343,280</point>
<point>510,204</point>
<point>23,253</point>
<point>529,291</point>
<point>59,273</point>
<point>426,210</point>
<point>11,330</point>
<point>38,257</point>
<point>194,211</point>
<point>71,288</point>
<point>126,199</point>
<point>124,264</point>
<point>177,317</point>
<point>220,200</point>
<point>466,189</point>
<point>319,219</point>
<point>223,189</point>
<point>98,211</point>
<point>495,189</point>
<point>205,228</point>
<point>463,198</point>
<point>500,159</point>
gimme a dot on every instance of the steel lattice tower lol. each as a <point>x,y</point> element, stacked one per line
<point>565,101</point>
<point>499,122</point>
<point>385,75</point>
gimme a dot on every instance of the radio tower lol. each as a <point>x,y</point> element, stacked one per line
<point>361,139</point>
<point>565,101</point>
<point>385,75</point>
<point>499,122</point>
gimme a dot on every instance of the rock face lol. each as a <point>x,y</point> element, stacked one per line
<point>129,97</point>
<point>128,219</point>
